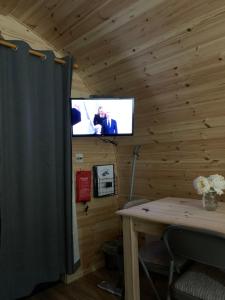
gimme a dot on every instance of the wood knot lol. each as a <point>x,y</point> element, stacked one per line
<point>145,209</point>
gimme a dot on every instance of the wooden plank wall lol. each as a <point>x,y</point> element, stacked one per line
<point>179,118</point>
<point>170,55</point>
<point>100,224</point>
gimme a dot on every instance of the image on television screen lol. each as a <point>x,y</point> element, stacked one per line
<point>103,117</point>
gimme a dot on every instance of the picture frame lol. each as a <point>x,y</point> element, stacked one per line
<point>104,180</point>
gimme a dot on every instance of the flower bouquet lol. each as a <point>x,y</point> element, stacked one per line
<point>209,187</point>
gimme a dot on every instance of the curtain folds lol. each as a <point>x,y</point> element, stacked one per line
<point>35,171</point>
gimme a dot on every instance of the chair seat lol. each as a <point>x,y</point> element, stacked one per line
<point>156,257</point>
<point>200,282</point>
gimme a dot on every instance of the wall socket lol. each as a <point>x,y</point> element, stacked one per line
<point>79,157</point>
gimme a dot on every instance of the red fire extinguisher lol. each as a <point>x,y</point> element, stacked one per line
<point>83,186</point>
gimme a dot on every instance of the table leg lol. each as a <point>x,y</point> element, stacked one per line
<point>131,264</point>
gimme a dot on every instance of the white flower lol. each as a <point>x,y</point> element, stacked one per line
<point>217,183</point>
<point>202,185</point>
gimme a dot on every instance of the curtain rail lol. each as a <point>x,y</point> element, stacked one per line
<point>8,44</point>
<point>36,53</point>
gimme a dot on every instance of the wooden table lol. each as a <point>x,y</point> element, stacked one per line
<point>152,218</point>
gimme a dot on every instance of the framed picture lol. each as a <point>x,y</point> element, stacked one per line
<point>104,180</point>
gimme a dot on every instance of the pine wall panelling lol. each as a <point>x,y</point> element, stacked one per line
<point>100,224</point>
<point>170,55</point>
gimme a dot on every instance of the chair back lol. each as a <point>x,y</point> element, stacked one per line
<point>134,203</point>
<point>203,246</point>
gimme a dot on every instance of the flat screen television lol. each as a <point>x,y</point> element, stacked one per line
<point>102,116</point>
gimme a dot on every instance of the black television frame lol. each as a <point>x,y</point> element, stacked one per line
<point>103,98</point>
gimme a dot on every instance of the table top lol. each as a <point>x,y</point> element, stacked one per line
<point>179,211</point>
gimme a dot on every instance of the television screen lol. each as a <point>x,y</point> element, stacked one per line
<point>102,116</point>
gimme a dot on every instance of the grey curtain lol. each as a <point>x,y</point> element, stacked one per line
<point>35,171</point>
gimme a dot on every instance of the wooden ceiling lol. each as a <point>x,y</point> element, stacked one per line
<point>117,43</point>
<point>87,29</point>
<point>155,50</point>
<point>121,46</point>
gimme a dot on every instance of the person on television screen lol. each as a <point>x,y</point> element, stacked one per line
<point>75,115</point>
<point>99,117</point>
<point>109,125</point>
<point>98,120</point>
